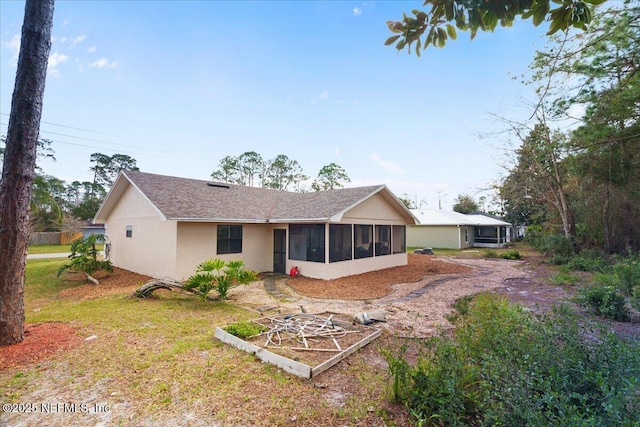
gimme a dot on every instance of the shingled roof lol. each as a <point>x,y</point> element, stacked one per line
<point>186,199</point>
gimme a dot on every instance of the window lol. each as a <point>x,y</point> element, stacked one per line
<point>229,239</point>
<point>363,246</point>
<point>306,242</point>
<point>383,240</point>
<point>399,239</point>
<point>339,242</point>
<point>129,231</point>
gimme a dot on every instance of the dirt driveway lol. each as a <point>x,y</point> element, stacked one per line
<point>414,309</point>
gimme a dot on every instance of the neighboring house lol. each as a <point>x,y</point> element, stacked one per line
<point>165,226</point>
<point>439,228</point>
<point>90,228</point>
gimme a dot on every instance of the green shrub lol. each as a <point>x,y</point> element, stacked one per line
<point>506,367</point>
<point>512,254</point>
<point>462,304</point>
<point>551,244</point>
<point>604,301</point>
<point>559,259</point>
<point>582,263</point>
<point>245,330</point>
<point>627,273</point>
<point>490,253</point>
<point>563,278</point>
<point>635,298</point>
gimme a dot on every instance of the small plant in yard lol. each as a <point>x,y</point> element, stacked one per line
<point>563,277</point>
<point>399,370</point>
<point>245,330</point>
<point>490,253</point>
<point>605,301</point>
<point>219,275</point>
<point>512,254</point>
<point>84,258</point>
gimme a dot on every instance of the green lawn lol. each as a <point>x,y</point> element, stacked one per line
<point>55,249</point>
<point>522,247</point>
<point>158,359</point>
<point>48,249</point>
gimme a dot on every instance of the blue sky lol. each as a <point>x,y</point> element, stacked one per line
<point>179,85</point>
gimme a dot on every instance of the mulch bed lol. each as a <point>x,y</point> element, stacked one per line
<point>119,282</point>
<point>40,341</point>
<point>374,284</point>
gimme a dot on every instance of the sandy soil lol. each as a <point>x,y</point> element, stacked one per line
<point>416,308</point>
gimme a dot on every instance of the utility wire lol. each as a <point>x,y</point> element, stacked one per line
<point>172,155</point>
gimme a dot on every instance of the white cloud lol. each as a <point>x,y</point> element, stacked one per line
<point>103,63</point>
<point>386,164</point>
<point>359,10</point>
<point>56,59</point>
<point>92,49</point>
<point>336,152</point>
<point>78,39</point>
<point>322,97</point>
<point>14,44</point>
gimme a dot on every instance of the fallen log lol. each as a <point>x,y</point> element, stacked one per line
<point>150,287</point>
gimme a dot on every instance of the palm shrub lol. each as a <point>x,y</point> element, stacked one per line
<point>219,275</point>
<point>84,258</point>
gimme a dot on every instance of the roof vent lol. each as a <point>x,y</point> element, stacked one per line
<point>215,184</point>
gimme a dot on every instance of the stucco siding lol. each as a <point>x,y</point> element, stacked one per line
<point>197,243</point>
<point>372,211</point>
<point>151,248</point>
<point>438,236</point>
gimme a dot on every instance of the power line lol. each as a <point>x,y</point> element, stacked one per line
<point>146,153</point>
<point>174,155</point>
<point>87,130</point>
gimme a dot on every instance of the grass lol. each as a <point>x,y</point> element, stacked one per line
<point>564,277</point>
<point>523,248</point>
<point>48,249</point>
<point>158,359</point>
<point>54,249</point>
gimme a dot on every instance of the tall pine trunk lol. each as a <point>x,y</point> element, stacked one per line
<point>19,164</point>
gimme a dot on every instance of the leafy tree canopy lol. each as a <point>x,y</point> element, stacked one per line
<point>443,18</point>
<point>330,177</point>
<point>465,204</point>
<point>106,168</point>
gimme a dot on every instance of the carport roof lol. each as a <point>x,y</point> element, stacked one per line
<point>444,217</point>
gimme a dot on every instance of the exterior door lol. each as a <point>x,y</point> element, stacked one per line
<point>279,251</point>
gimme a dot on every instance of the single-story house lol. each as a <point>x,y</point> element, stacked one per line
<point>448,229</point>
<point>164,226</point>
